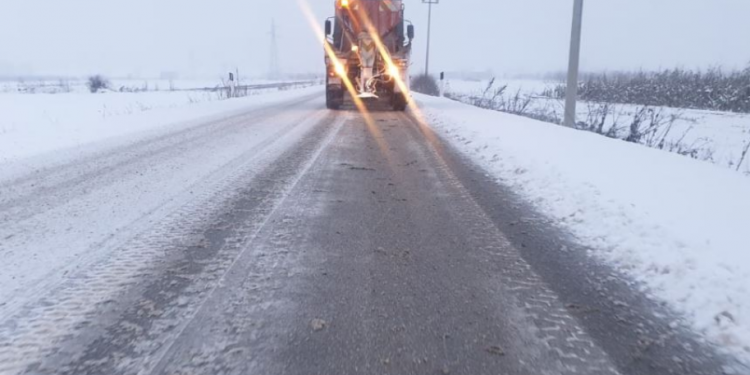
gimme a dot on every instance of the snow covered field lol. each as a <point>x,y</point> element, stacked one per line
<point>676,225</point>
<point>78,85</point>
<point>32,124</point>
<point>525,86</point>
<point>718,137</point>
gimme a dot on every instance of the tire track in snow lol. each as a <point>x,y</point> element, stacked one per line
<point>47,231</point>
<point>49,187</point>
<point>33,325</point>
<point>547,320</point>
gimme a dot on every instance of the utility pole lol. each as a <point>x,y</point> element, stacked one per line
<point>274,71</point>
<point>429,32</point>
<point>573,65</point>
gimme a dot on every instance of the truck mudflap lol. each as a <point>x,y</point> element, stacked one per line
<point>399,101</point>
<point>334,93</point>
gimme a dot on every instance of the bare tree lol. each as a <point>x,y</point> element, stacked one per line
<point>96,83</point>
<point>425,84</point>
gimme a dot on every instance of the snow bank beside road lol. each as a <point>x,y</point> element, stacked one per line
<point>33,124</point>
<point>718,137</point>
<point>677,225</point>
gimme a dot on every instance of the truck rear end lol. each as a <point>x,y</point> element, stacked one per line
<point>369,44</point>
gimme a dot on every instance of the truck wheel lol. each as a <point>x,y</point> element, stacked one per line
<point>399,101</point>
<point>330,104</point>
<point>334,99</point>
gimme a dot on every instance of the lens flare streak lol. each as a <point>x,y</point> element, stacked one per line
<point>389,62</point>
<point>361,107</point>
<point>304,6</point>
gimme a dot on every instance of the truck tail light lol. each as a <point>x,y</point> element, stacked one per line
<point>339,69</point>
<point>393,70</point>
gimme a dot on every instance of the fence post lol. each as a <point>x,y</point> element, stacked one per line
<point>442,84</point>
<point>231,85</point>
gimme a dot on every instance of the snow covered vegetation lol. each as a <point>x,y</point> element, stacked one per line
<point>676,225</point>
<point>713,89</point>
<point>719,137</point>
<point>425,84</point>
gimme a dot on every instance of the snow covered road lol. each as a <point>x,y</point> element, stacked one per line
<point>288,239</point>
<point>674,225</point>
<point>77,230</point>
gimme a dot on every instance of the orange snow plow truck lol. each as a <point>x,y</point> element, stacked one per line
<point>370,46</point>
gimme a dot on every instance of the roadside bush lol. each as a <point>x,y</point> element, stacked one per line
<point>96,83</point>
<point>496,98</point>
<point>713,89</point>
<point>425,84</point>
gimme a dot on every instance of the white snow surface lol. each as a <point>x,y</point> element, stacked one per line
<point>719,137</point>
<point>676,225</point>
<point>21,253</point>
<point>522,86</point>
<point>80,225</point>
<point>33,124</point>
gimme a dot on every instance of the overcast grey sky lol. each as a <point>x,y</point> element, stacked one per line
<point>207,37</point>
